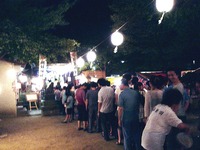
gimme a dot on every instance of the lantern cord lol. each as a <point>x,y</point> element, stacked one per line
<point>122,26</point>
<point>91,65</point>
<point>161,18</point>
<point>115,50</point>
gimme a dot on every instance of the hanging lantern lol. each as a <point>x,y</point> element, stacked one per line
<point>117,39</point>
<point>164,6</point>
<point>91,56</point>
<point>80,62</point>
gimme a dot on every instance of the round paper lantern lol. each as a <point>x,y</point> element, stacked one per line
<point>117,38</point>
<point>80,62</point>
<point>164,5</point>
<point>91,56</point>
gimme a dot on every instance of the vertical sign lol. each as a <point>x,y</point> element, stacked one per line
<point>42,66</point>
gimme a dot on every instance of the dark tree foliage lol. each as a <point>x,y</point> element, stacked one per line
<point>149,46</point>
<point>26,30</point>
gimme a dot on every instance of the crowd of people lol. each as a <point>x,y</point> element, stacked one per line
<point>138,118</point>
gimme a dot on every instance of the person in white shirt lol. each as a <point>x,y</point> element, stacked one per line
<point>106,107</point>
<point>153,96</point>
<point>160,121</point>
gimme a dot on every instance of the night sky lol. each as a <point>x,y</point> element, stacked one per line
<point>89,22</point>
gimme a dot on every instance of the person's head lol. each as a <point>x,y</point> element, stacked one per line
<point>173,74</point>
<point>101,82</point>
<point>124,84</point>
<point>83,86</point>
<point>172,98</point>
<point>64,87</point>
<point>70,86</point>
<point>156,82</point>
<point>147,85</point>
<point>56,88</point>
<point>68,90</point>
<point>93,85</point>
<point>127,76</point>
<point>140,86</point>
<point>107,83</point>
<point>134,80</point>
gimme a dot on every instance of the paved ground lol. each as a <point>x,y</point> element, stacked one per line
<point>48,133</point>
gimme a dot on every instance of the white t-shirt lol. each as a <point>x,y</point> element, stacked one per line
<point>106,97</point>
<point>179,87</point>
<point>158,126</point>
<point>181,110</point>
<point>118,92</point>
<point>152,98</point>
<point>64,97</point>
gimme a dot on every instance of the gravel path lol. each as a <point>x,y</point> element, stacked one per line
<point>48,133</point>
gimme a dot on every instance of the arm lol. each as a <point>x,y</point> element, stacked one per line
<point>186,99</point>
<point>186,105</point>
<point>67,102</point>
<point>120,111</point>
<point>86,100</point>
<point>183,126</point>
<point>99,102</point>
<point>147,106</point>
<point>84,97</point>
<point>116,99</point>
<point>99,107</point>
<point>86,104</point>
<point>174,121</point>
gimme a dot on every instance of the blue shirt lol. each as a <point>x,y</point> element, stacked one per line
<point>130,101</point>
<point>92,97</point>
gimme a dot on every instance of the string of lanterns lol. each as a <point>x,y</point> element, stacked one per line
<point>91,57</point>
<point>117,38</point>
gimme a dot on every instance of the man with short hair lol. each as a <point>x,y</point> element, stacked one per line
<point>129,101</point>
<point>92,105</point>
<point>161,119</point>
<point>173,76</point>
<point>106,107</point>
<point>128,77</point>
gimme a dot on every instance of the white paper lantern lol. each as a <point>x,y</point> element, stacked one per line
<point>91,56</point>
<point>164,5</point>
<point>117,38</point>
<point>80,62</point>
